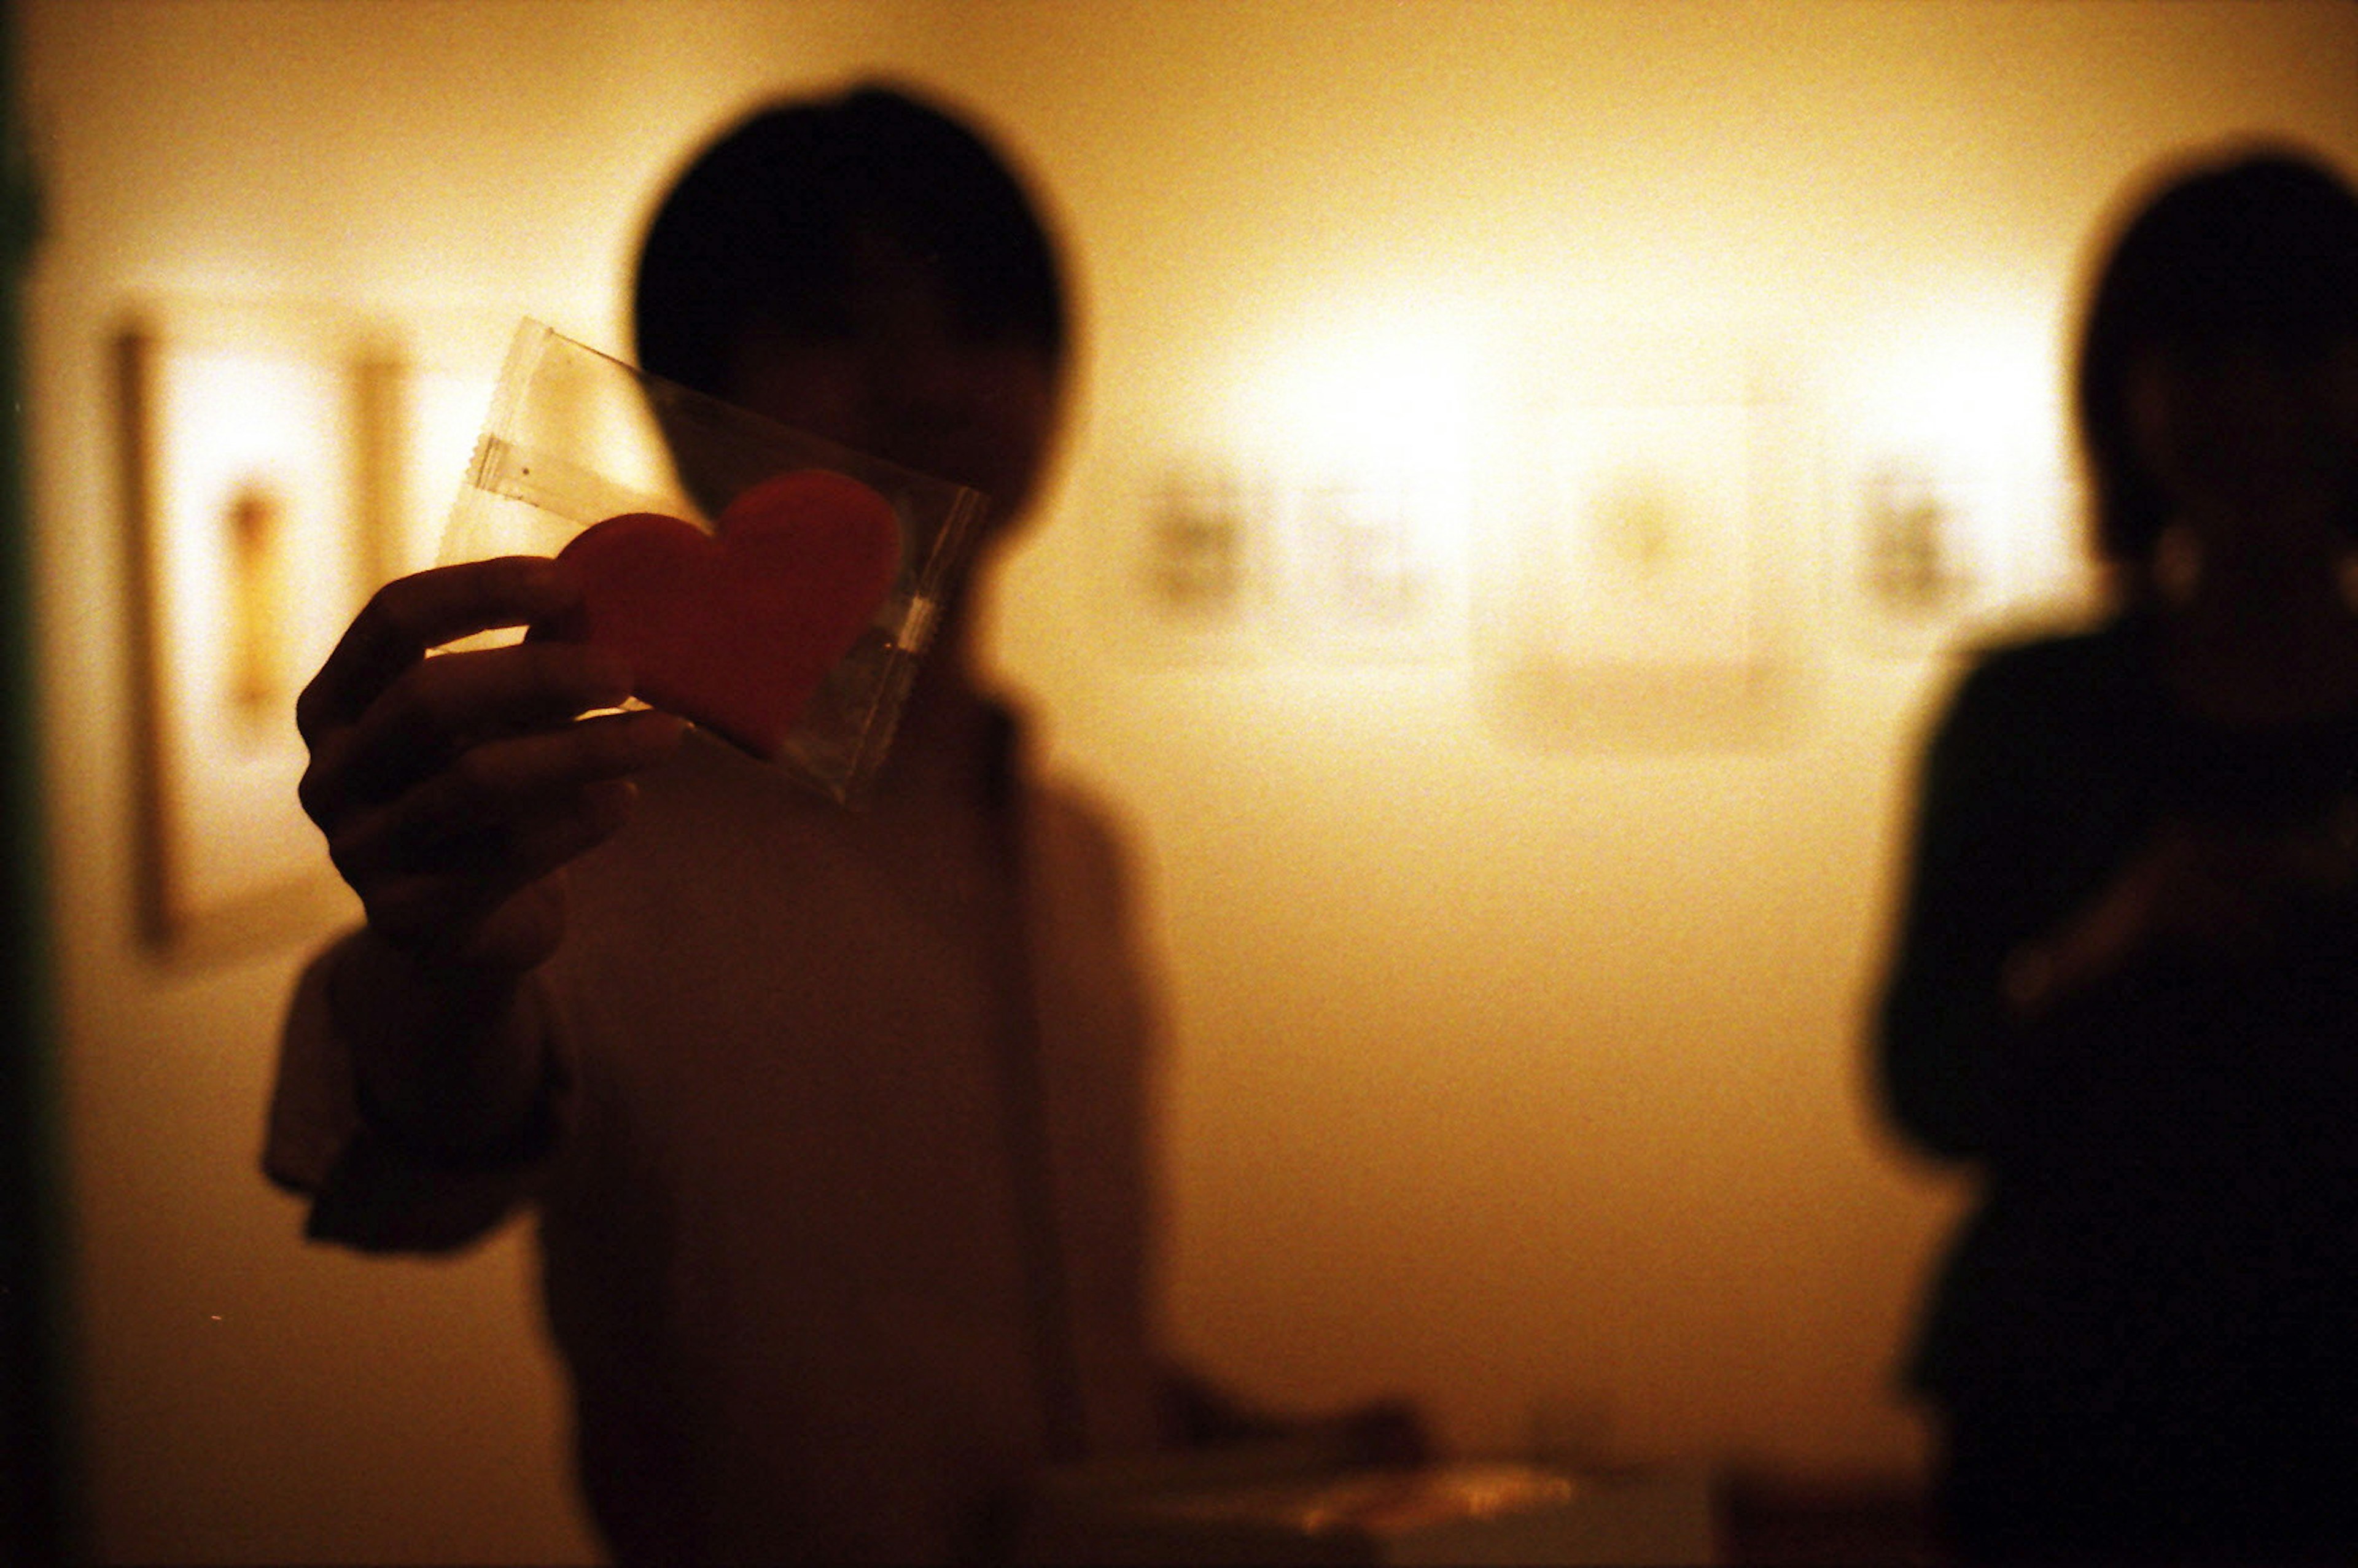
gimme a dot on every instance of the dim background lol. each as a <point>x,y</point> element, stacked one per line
<point>1516,1047</point>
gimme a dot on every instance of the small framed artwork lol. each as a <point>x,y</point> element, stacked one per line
<point>1923,558</point>
<point>1939,556</point>
<point>254,535</point>
<point>1200,552</point>
<point>1639,599</point>
<point>1646,551</point>
<point>1234,564</point>
<point>1372,568</point>
<point>1189,577</point>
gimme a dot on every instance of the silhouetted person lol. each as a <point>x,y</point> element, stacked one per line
<point>837,1124</point>
<point>2126,985</point>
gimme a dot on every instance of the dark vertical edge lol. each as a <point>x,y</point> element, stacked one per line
<point>39,1523</point>
<point>132,352</point>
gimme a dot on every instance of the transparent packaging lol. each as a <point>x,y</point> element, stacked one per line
<point>575,437</point>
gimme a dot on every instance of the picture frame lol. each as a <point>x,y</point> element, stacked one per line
<point>1373,568</point>
<point>1185,577</point>
<point>1644,550</point>
<point>1935,556</point>
<point>1642,598</point>
<point>246,439</point>
<point>1236,563</point>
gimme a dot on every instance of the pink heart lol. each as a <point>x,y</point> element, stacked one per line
<point>735,632</point>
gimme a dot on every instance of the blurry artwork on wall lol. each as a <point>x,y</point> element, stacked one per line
<point>1195,561</point>
<point>1934,556</point>
<point>1639,597</point>
<point>1234,563</point>
<point>1916,563</point>
<point>1642,550</point>
<point>1922,557</point>
<point>1373,565</point>
<point>276,465</point>
<point>1628,534</point>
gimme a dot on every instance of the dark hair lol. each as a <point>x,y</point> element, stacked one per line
<point>767,225</point>
<point>2257,246</point>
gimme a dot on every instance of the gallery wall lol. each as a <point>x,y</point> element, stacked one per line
<point>1534,465</point>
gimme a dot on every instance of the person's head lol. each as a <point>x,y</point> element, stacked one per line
<point>867,268</point>
<point>2217,370</point>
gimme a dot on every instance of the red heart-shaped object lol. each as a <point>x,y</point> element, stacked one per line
<point>735,632</point>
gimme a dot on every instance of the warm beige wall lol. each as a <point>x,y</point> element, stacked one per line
<point>1509,1074</point>
<point>1529,1077</point>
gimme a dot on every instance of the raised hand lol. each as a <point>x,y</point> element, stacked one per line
<point>454,788</point>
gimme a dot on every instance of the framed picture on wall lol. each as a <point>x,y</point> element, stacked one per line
<point>1645,553</point>
<point>1239,563</point>
<point>1936,556</point>
<point>1372,568</point>
<point>253,534</point>
<point>1187,577</point>
<point>1639,600</point>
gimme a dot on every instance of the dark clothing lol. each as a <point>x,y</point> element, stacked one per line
<point>2143,1339</point>
<point>848,1228</point>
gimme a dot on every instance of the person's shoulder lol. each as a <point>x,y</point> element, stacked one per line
<point>2054,662</point>
<point>2019,694</point>
<point>1079,842</point>
<point>2052,647</point>
<point>1072,813</point>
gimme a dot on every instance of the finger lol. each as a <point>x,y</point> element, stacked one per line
<point>411,615</point>
<point>434,713</point>
<point>496,786</point>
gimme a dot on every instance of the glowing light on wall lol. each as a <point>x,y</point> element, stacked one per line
<point>1390,394</point>
<point>1978,381</point>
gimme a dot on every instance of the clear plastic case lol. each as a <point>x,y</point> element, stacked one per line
<point>575,437</point>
